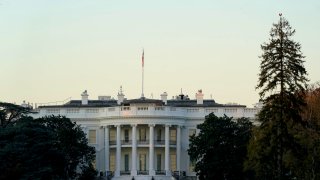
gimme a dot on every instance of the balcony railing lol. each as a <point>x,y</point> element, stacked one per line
<point>173,142</point>
<point>142,172</point>
<point>109,174</point>
<point>125,172</point>
<point>142,142</point>
<point>160,172</point>
<point>159,142</point>
<point>112,142</point>
<point>126,142</point>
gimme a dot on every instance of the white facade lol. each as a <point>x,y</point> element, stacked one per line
<point>143,138</point>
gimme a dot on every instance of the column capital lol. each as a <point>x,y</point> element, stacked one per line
<point>117,125</point>
<point>181,126</point>
<point>106,126</point>
<point>167,125</point>
<point>134,125</point>
<point>151,125</point>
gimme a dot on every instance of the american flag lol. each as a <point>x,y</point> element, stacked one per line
<point>143,58</point>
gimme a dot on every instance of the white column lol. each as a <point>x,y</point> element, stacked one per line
<point>134,150</point>
<point>86,131</point>
<point>178,147</point>
<point>118,152</point>
<point>166,151</point>
<point>106,148</point>
<point>151,150</point>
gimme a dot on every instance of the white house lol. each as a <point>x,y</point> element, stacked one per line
<point>143,138</point>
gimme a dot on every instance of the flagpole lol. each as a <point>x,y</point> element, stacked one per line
<point>142,95</point>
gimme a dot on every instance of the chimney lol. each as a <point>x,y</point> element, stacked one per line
<point>199,97</point>
<point>120,96</point>
<point>84,100</point>
<point>24,104</point>
<point>164,97</point>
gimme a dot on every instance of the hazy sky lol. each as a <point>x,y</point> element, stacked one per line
<point>51,50</point>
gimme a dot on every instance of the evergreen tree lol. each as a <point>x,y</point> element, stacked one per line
<point>282,83</point>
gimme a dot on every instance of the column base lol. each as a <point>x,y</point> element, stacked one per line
<point>133,172</point>
<point>168,173</point>
<point>116,173</point>
<point>152,172</point>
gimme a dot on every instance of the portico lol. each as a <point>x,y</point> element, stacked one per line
<point>142,149</point>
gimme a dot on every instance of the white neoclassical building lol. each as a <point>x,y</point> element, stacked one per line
<point>143,138</point>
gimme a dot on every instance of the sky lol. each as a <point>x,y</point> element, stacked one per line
<point>54,50</point>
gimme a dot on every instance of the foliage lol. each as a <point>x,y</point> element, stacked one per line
<point>46,148</point>
<point>310,139</point>
<point>282,62</point>
<point>73,142</point>
<point>311,113</point>
<point>10,113</point>
<point>276,145</point>
<point>220,148</point>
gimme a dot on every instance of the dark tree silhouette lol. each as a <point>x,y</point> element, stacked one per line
<point>282,83</point>
<point>10,113</point>
<point>46,148</point>
<point>220,148</point>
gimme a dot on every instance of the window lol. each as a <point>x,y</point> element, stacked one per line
<point>92,137</point>
<point>53,111</point>
<point>230,110</point>
<point>126,162</point>
<point>112,134</point>
<point>191,166</point>
<point>173,162</point>
<point>173,135</point>
<point>142,134</point>
<point>159,135</point>
<point>125,109</point>
<point>192,132</point>
<point>159,108</point>
<point>126,135</point>
<point>248,110</point>
<point>92,110</point>
<point>112,162</point>
<point>212,110</point>
<point>94,163</point>
<point>142,108</point>
<point>142,162</point>
<point>158,162</point>
<point>192,110</point>
<point>72,111</point>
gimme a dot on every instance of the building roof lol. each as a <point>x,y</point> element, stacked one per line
<point>143,100</point>
<point>91,103</point>
<point>193,103</point>
<point>172,102</point>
